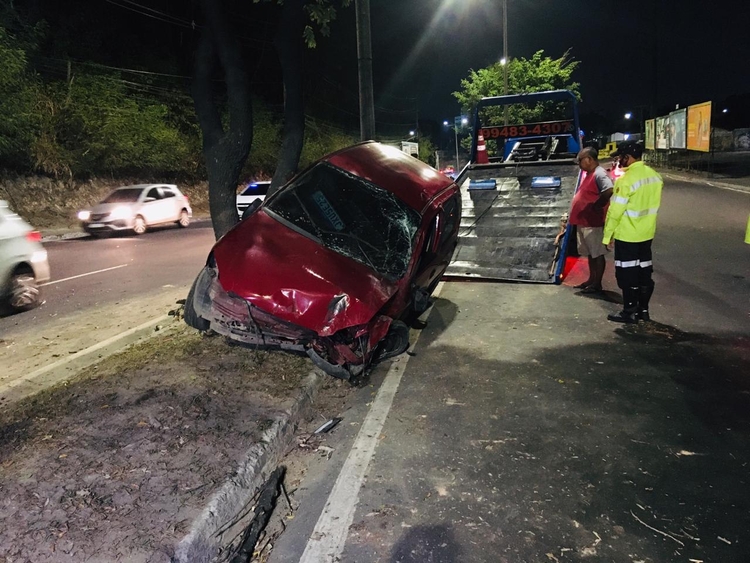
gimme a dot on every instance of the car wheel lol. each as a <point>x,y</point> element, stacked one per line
<point>395,342</point>
<point>23,291</point>
<point>184,219</point>
<point>192,318</point>
<point>139,225</point>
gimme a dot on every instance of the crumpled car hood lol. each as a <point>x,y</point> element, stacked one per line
<point>297,280</point>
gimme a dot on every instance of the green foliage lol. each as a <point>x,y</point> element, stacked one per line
<point>83,120</point>
<point>320,139</point>
<point>19,97</point>
<point>90,124</point>
<point>537,74</point>
<point>320,13</point>
<point>427,151</point>
<point>103,128</point>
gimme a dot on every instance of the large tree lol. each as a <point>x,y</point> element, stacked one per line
<point>536,74</point>
<point>226,146</point>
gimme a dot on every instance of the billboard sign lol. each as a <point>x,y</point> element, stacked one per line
<point>676,129</point>
<point>650,134</point>
<point>410,148</point>
<point>661,132</point>
<point>699,127</point>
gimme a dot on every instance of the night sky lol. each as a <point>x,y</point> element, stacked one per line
<point>635,56</point>
<point>632,53</point>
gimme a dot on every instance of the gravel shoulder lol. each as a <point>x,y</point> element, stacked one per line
<point>115,463</point>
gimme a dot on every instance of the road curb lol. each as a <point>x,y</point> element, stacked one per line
<point>206,535</point>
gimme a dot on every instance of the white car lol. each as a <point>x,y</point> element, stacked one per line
<point>254,191</point>
<point>136,208</point>
<point>23,262</point>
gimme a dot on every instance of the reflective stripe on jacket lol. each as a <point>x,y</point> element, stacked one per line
<point>631,216</point>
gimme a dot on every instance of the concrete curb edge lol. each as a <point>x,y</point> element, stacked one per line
<point>708,181</point>
<point>203,541</point>
<point>71,365</point>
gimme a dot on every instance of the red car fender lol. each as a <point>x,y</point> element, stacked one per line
<point>378,328</point>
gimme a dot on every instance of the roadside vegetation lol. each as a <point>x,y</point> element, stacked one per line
<point>71,130</point>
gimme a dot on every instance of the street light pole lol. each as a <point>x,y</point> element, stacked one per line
<point>455,132</point>
<point>364,56</point>
<point>505,56</point>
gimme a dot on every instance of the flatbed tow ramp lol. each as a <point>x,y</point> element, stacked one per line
<point>515,205</point>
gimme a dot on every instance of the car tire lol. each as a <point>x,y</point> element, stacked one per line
<point>184,219</point>
<point>23,292</point>
<point>192,319</point>
<point>395,342</point>
<point>139,225</point>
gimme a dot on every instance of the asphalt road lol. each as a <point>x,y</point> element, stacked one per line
<point>88,273</point>
<point>526,427</point>
<point>701,263</point>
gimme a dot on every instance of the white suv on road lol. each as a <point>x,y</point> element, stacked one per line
<point>23,263</point>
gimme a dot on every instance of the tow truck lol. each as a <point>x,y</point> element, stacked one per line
<point>517,192</point>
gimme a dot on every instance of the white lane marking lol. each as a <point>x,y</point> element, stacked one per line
<point>83,275</point>
<point>326,543</point>
<point>54,365</point>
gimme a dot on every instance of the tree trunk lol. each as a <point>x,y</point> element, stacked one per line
<point>225,150</point>
<point>290,47</point>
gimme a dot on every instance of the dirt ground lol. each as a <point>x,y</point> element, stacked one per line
<point>114,464</point>
<point>24,349</point>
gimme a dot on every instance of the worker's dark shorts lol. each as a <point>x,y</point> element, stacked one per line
<point>633,264</point>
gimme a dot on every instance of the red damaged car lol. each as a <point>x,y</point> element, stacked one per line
<point>336,262</point>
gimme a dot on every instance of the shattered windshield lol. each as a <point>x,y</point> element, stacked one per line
<point>350,216</point>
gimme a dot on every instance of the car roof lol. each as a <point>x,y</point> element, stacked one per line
<point>144,186</point>
<point>411,180</point>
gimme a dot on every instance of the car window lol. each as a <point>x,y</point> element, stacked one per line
<point>256,188</point>
<point>154,193</point>
<point>350,216</point>
<point>124,195</point>
<point>167,192</point>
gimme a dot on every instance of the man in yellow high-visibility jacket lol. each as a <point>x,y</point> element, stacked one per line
<point>631,222</point>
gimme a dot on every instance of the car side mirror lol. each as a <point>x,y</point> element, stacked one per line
<point>250,209</point>
<point>148,199</point>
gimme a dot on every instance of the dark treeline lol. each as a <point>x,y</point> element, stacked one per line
<point>90,88</point>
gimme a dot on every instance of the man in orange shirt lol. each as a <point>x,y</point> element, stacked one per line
<point>587,213</point>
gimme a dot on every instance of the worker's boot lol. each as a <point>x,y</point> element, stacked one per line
<point>644,296</point>
<point>630,307</point>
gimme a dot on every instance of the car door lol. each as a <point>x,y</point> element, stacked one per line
<point>152,207</point>
<point>449,220</point>
<point>172,205</point>
<point>438,245</point>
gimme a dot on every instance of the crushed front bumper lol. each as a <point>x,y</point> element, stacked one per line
<point>344,355</point>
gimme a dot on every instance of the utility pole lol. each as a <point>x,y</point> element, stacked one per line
<point>505,56</point>
<point>455,132</point>
<point>364,57</point>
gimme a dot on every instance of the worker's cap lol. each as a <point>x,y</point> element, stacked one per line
<point>632,148</point>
